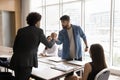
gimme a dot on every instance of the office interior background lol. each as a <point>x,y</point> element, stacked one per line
<point>99,19</point>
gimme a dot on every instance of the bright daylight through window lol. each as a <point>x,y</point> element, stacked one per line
<point>97,22</point>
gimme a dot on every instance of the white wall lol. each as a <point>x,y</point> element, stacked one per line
<point>1,29</point>
<point>7,28</point>
<point>25,6</point>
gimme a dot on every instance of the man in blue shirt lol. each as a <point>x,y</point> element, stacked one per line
<point>70,36</point>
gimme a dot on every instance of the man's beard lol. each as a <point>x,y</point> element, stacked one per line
<point>64,27</point>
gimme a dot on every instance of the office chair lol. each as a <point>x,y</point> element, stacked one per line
<point>6,76</point>
<point>103,74</point>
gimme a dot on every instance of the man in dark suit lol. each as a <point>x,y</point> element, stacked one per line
<point>26,46</point>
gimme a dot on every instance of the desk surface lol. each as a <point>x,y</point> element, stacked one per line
<point>5,55</point>
<point>44,70</point>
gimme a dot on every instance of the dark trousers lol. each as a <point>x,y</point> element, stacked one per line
<point>22,73</point>
<point>80,59</point>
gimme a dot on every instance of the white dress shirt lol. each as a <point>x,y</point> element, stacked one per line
<point>53,51</point>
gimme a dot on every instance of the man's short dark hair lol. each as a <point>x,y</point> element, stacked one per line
<point>65,18</point>
<point>33,18</point>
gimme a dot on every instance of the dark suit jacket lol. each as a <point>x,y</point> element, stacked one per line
<point>26,46</point>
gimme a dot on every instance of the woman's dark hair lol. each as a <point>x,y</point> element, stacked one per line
<point>46,46</point>
<point>48,37</point>
<point>33,18</point>
<point>97,55</point>
<point>65,18</point>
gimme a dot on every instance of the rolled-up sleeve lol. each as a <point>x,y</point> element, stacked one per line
<point>60,38</point>
<point>82,34</point>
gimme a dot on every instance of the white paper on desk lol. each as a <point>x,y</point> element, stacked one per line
<point>75,62</point>
<point>63,67</point>
<point>55,59</point>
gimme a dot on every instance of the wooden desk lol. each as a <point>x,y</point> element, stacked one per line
<point>6,52</point>
<point>7,57</point>
<point>45,72</point>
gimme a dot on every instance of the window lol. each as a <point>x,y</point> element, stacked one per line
<point>51,2</point>
<point>52,19</point>
<point>35,5</point>
<point>73,9</point>
<point>116,43</point>
<point>97,24</point>
<point>68,0</point>
<point>95,15</point>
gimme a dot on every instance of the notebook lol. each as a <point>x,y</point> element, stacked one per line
<point>63,67</point>
<point>75,62</point>
<point>55,59</point>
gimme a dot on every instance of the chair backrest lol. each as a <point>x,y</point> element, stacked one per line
<point>6,76</point>
<point>103,74</point>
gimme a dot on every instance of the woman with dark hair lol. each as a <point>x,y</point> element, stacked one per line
<point>98,63</point>
<point>26,46</point>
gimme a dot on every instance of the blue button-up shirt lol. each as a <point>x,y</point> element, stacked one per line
<point>64,39</point>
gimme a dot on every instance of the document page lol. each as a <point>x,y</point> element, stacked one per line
<point>55,59</point>
<point>75,62</point>
<point>63,67</point>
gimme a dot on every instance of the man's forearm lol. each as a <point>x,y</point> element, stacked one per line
<point>86,45</point>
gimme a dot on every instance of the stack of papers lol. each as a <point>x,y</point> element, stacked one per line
<point>75,62</point>
<point>63,67</point>
<point>55,59</point>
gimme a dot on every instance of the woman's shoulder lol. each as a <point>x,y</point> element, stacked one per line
<point>88,66</point>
